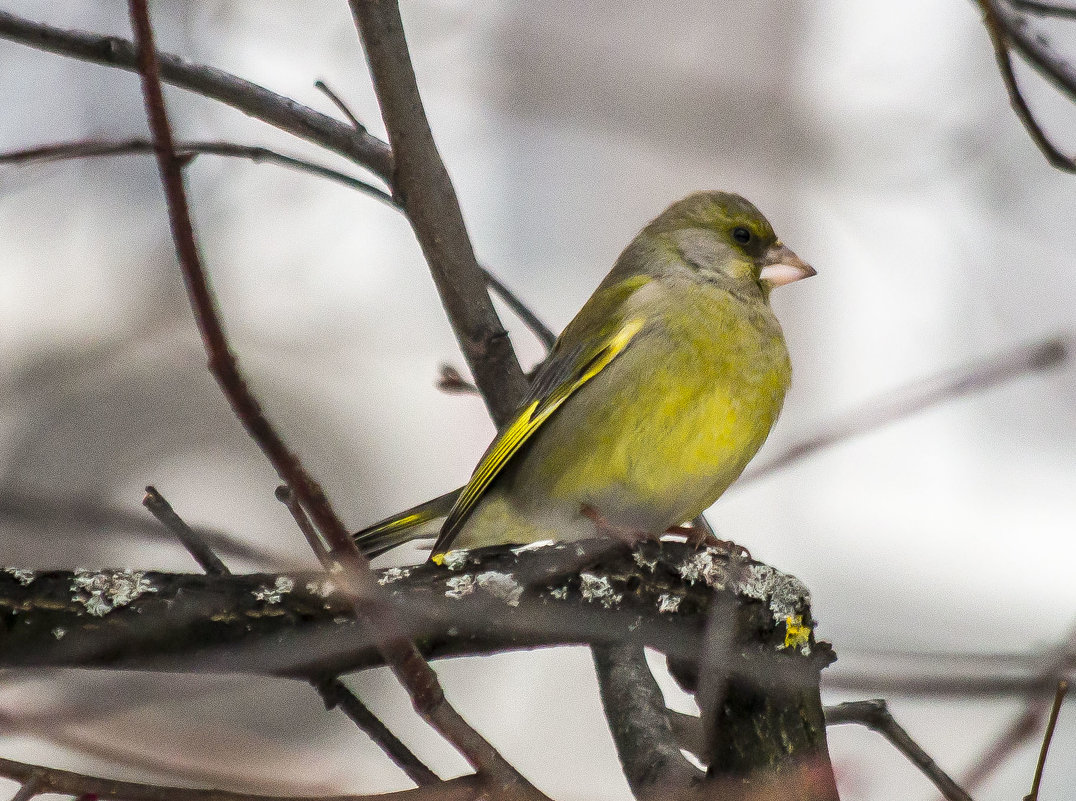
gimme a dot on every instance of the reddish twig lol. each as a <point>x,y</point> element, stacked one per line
<point>999,39</point>
<point>339,555</point>
<point>43,780</point>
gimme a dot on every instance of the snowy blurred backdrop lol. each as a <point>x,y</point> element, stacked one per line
<point>876,136</point>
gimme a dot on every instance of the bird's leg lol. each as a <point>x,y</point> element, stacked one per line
<point>699,536</point>
<point>604,528</point>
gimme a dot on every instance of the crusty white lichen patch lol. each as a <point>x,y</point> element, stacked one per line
<point>23,576</point>
<point>598,589</point>
<point>393,574</point>
<point>273,595</point>
<point>560,593</point>
<point>459,586</point>
<point>101,591</point>
<point>785,595</point>
<point>501,585</point>
<point>456,560</point>
<point>642,561</point>
<point>668,603</point>
<point>532,546</point>
<point>322,588</point>
<point>59,632</point>
<point>708,565</point>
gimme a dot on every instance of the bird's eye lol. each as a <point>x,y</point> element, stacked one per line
<point>741,235</point>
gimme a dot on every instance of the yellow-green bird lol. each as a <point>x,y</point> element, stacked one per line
<point>652,402</point>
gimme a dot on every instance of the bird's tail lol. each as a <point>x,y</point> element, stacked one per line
<point>405,526</point>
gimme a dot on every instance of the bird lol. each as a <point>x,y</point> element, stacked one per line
<point>651,402</point>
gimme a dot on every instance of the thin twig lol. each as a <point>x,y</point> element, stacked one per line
<point>340,104</point>
<point>192,541</point>
<point>421,183</point>
<point>998,38</point>
<point>342,556</point>
<point>530,319</point>
<point>1023,726</point>
<point>875,715</point>
<point>916,397</point>
<point>1048,736</point>
<point>66,782</point>
<point>1044,9</point>
<point>257,101</point>
<point>257,154</point>
<point>187,150</point>
<point>1034,46</point>
<point>336,694</point>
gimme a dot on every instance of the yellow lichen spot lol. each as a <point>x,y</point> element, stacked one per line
<point>797,634</point>
<point>438,559</point>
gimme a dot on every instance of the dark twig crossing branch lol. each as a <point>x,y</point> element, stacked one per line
<point>192,541</point>
<point>875,715</point>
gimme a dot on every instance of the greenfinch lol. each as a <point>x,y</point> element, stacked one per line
<point>651,403</point>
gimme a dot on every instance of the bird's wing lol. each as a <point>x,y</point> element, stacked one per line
<point>558,379</point>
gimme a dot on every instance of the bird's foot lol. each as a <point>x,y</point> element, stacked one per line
<point>629,536</point>
<point>699,537</point>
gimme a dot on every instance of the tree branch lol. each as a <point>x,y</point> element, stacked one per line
<point>999,39</point>
<point>65,782</point>
<point>917,396</point>
<point>875,715</point>
<point>422,185</point>
<point>281,112</point>
<point>635,709</point>
<point>1035,47</point>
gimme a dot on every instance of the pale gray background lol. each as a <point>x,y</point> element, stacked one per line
<point>877,138</point>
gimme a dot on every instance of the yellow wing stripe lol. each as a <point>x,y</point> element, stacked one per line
<point>523,427</point>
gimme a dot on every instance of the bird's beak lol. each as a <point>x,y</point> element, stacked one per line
<point>781,266</point>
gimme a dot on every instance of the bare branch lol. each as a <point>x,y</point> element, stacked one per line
<point>323,87</point>
<point>187,150</point>
<point>635,708</point>
<point>65,782</point>
<point>1045,9</point>
<point>257,101</point>
<point>351,568</point>
<point>422,185</point>
<point>916,397</point>
<point>195,545</point>
<point>337,694</point>
<point>1034,46</point>
<point>876,716</point>
<point>998,38</point>
<point>1023,726</point>
<point>1048,736</point>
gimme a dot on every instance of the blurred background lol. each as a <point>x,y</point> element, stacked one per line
<point>877,138</point>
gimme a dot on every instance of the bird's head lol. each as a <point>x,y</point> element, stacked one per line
<point>724,238</point>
